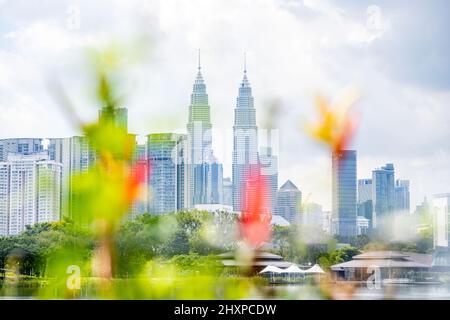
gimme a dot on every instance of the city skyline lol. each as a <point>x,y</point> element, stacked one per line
<point>395,91</point>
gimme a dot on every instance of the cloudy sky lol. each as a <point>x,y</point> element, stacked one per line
<point>396,53</point>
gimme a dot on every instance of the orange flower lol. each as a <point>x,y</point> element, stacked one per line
<point>336,125</point>
<point>255,216</point>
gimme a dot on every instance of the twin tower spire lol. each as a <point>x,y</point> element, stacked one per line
<point>200,76</point>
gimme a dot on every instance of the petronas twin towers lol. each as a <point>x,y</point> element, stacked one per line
<point>204,174</point>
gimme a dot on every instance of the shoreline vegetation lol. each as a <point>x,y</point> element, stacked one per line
<point>172,256</point>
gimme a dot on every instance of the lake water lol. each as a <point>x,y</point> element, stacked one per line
<point>362,292</point>
<point>314,292</point>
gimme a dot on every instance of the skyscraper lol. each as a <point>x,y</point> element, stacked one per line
<point>383,192</point>
<point>288,202</point>
<point>163,149</point>
<point>402,202</point>
<point>245,142</point>
<point>344,194</point>
<point>30,191</point>
<point>365,206</point>
<point>269,169</point>
<point>199,144</point>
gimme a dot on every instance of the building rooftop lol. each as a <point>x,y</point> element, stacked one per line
<point>387,259</point>
<point>278,220</point>
<point>288,186</point>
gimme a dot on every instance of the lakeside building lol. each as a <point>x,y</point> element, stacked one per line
<point>404,267</point>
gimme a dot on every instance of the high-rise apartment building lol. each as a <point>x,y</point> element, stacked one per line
<point>30,191</point>
<point>344,194</point>
<point>245,142</point>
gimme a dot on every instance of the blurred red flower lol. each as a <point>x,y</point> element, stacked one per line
<point>255,214</point>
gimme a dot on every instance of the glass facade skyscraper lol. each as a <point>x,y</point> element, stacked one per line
<point>199,149</point>
<point>245,142</point>
<point>383,192</point>
<point>164,187</point>
<point>344,194</point>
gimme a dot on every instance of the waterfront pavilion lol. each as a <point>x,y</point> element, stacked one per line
<point>392,265</point>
